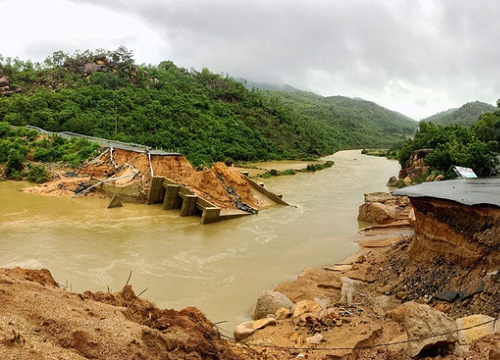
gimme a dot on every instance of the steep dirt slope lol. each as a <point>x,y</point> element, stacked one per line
<point>39,320</point>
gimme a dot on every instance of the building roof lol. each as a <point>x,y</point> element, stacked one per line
<point>480,191</point>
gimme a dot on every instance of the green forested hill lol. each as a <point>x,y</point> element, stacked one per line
<point>466,115</point>
<point>208,117</point>
<point>356,123</point>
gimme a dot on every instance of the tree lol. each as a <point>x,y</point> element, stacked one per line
<point>15,162</point>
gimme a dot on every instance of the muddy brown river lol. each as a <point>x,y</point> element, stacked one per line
<point>219,268</point>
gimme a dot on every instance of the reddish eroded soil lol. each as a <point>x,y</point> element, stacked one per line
<point>39,320</point>
<point>220,184</point>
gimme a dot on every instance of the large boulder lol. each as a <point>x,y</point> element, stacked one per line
<point>376,212</point>
<point>428,330</point>
<point>4,81</point>
<point>90,67</point>
<point>268,302</point>
<point>416,166</point>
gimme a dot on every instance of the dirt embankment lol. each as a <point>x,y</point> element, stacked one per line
<point>221,185</point>
<point>39,320</point>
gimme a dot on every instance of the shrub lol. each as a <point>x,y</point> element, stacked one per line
<point>288,172</point>
<point>38,173</point>
<point>14,162</point>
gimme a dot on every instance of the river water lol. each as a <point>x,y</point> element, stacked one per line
<point>219,268</point>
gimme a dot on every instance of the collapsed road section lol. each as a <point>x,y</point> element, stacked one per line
<point>136,173</point>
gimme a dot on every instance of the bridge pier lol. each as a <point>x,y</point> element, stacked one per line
<point>210,215</point>
<point>177,196</point>
<point>188,205</point>
<point>171,200</point>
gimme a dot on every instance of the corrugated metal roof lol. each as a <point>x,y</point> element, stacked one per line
<point>465,191</point>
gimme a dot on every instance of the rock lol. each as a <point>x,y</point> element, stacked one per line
<point>475,330</point>
<point>282,313</point>
<point>305,306</point>
<point>407,181</point>
<point>400,295</point>
<point>4,81</point>
<point>268,302</point>
<point>416,166</point>
<point>314,340</point>
<point>439,178</point>
<point>115,202</point>
<point>376,213</point>
<point>399,344</point>
<point>380,196</point>
<point>466,294</point>
<point>90,67</point>
<point>318,318</point>
<point>341,267</point>
<point>425,327</point>
<point>393,181</point>
<point>247,328</point>
<point>242,331</point>
<point>333,284</point>
<point>348,289</point>
<point>424,170</point>
<point>447,295</point>
<point>443,307</point>
<point>100,57</point>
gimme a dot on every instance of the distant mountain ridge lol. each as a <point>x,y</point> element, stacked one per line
<point>466,115</point>
<point>356,123</point>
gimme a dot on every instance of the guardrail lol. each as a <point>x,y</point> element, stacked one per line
<point>106,142</point>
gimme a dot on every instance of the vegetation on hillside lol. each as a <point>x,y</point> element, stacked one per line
<point>475,147</point>
<point>24,152</point>
<point>354,123</point>
<point>207,117</point>
<point>466,115</point>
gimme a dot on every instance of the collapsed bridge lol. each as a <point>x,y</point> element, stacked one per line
<point>137,173</point>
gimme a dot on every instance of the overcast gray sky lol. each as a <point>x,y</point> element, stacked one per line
<point>417,57</point>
